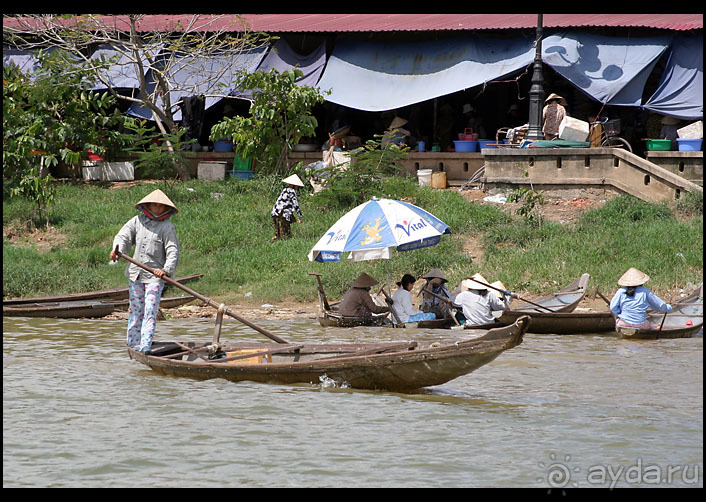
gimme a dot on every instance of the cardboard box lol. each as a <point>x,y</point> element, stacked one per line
<point>249,360</point>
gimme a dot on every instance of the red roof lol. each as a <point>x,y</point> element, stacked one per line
<point>283,23</point>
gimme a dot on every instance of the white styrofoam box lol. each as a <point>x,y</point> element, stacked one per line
<point>695,130</point>
<point>211,171</point>
<point>118,171</point>
<point>572,129</point>
<point>92,170</point>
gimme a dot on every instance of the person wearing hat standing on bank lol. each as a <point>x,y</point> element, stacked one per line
<point>477,302</point>
<point>357,301</point>
<point>553,113</point>
<point>157,246</point>
<point>285,206</point>
<point>436,283</point>
<point>630,303</point>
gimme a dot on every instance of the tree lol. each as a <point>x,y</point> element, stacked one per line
<point>155,58</point>
<point>48,117</point>
<point>280,115</point>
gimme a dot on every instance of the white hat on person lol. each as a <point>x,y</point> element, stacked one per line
<point>293,180</point>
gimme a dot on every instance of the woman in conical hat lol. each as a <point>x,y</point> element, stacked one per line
<point>631,301</point>
<point>431,303</point>
<point>157,246</point>
<point>552,115</point>
<point>285,207</point>
<point>357,301</point>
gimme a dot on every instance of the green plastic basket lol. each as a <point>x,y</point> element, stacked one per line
<point>658,144</point>
<point>241,164</point>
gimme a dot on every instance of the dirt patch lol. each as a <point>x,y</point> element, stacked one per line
<point>44,239</point>
<point>561,206</point>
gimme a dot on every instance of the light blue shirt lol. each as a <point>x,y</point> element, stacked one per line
<point>633,309</point>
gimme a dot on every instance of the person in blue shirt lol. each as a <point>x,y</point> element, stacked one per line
<point>630,303</point>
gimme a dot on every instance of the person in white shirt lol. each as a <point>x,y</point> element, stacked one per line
<point>478,303</point>
<point>402,305</point>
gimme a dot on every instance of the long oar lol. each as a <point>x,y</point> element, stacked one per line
<point>518,296</point>
<point>210,302</point>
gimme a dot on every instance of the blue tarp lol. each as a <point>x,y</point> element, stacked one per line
<point>611,70</point>
<point>193,76</point>
<point>282,58</point>
<point>121,73</point>
<point>375,76</point>
<point>681,91</point>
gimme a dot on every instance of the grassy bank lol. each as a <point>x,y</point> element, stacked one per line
<point>225,230</point>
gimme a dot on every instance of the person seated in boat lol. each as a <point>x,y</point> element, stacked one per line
<point>630,303</point>
<point>357,301</point>
<point>477,303</point>
<point>434,303</point>
<point>402,305</point>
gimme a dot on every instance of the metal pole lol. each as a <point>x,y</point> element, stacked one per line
<point>536,93</point>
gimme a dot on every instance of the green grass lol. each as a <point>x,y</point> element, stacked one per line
<point>227,238</point>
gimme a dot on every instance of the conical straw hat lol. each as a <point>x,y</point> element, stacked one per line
<point>293,180</point>
<point>552,96</point>
<point>435,273</point>
<point>472,284</point>
<point>364,281</point>
<point>159,197</point>
<point>397,122</point>
<point>633,277</point>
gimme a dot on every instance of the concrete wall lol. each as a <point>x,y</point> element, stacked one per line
<point>689,165</point>
<point>565,167</point>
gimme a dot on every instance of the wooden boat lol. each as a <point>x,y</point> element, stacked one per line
<point>106,294</point>
<point>564,323</point>
<point>685,320</point>
<point>396,366</point>
<point>564,300</point>
<point>82,308</point>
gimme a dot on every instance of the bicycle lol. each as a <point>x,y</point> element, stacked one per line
<point>609,130</point>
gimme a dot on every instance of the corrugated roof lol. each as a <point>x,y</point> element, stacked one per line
<point>327,23</point>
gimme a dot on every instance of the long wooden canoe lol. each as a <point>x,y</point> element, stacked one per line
<point>82,308</point>
<point>685,320</point>
<point>331,318</point>
<point>393,366</point>
<point>106,294</point>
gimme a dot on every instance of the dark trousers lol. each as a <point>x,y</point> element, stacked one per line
<point>282,228</point>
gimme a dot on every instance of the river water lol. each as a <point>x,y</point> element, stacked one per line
<point>555,412</point>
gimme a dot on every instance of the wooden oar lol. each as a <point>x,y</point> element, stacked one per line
<point>208,301</point>
<point>518,296</point>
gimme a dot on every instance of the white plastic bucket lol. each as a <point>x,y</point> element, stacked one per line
<point>424,176</point>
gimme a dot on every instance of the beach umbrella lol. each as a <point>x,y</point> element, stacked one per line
<point>373,229</point>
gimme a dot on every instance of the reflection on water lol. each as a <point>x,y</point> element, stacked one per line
<point>78,412</point>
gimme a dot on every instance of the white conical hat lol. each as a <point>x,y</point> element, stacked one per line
<point>159,197</point>
<point>293,180</point>
<point>472,284</point>
<point>633,277</point>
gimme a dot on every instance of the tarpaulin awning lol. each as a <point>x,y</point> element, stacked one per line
<point>122,72</point>
<point>376,76</point>
<point>681,91</point>
<point>282,58</point>
<point>612,70</point>
<point>26,61</point>
<point>214,77</point>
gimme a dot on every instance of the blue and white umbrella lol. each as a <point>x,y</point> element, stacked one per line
<point>373,229</point>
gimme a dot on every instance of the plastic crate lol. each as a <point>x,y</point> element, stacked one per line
<point>241,164</point>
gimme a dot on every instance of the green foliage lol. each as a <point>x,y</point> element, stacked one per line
<point>48,118</point>
<point>374,171</point>
<point>280,115</point>
<point>530,200</point>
